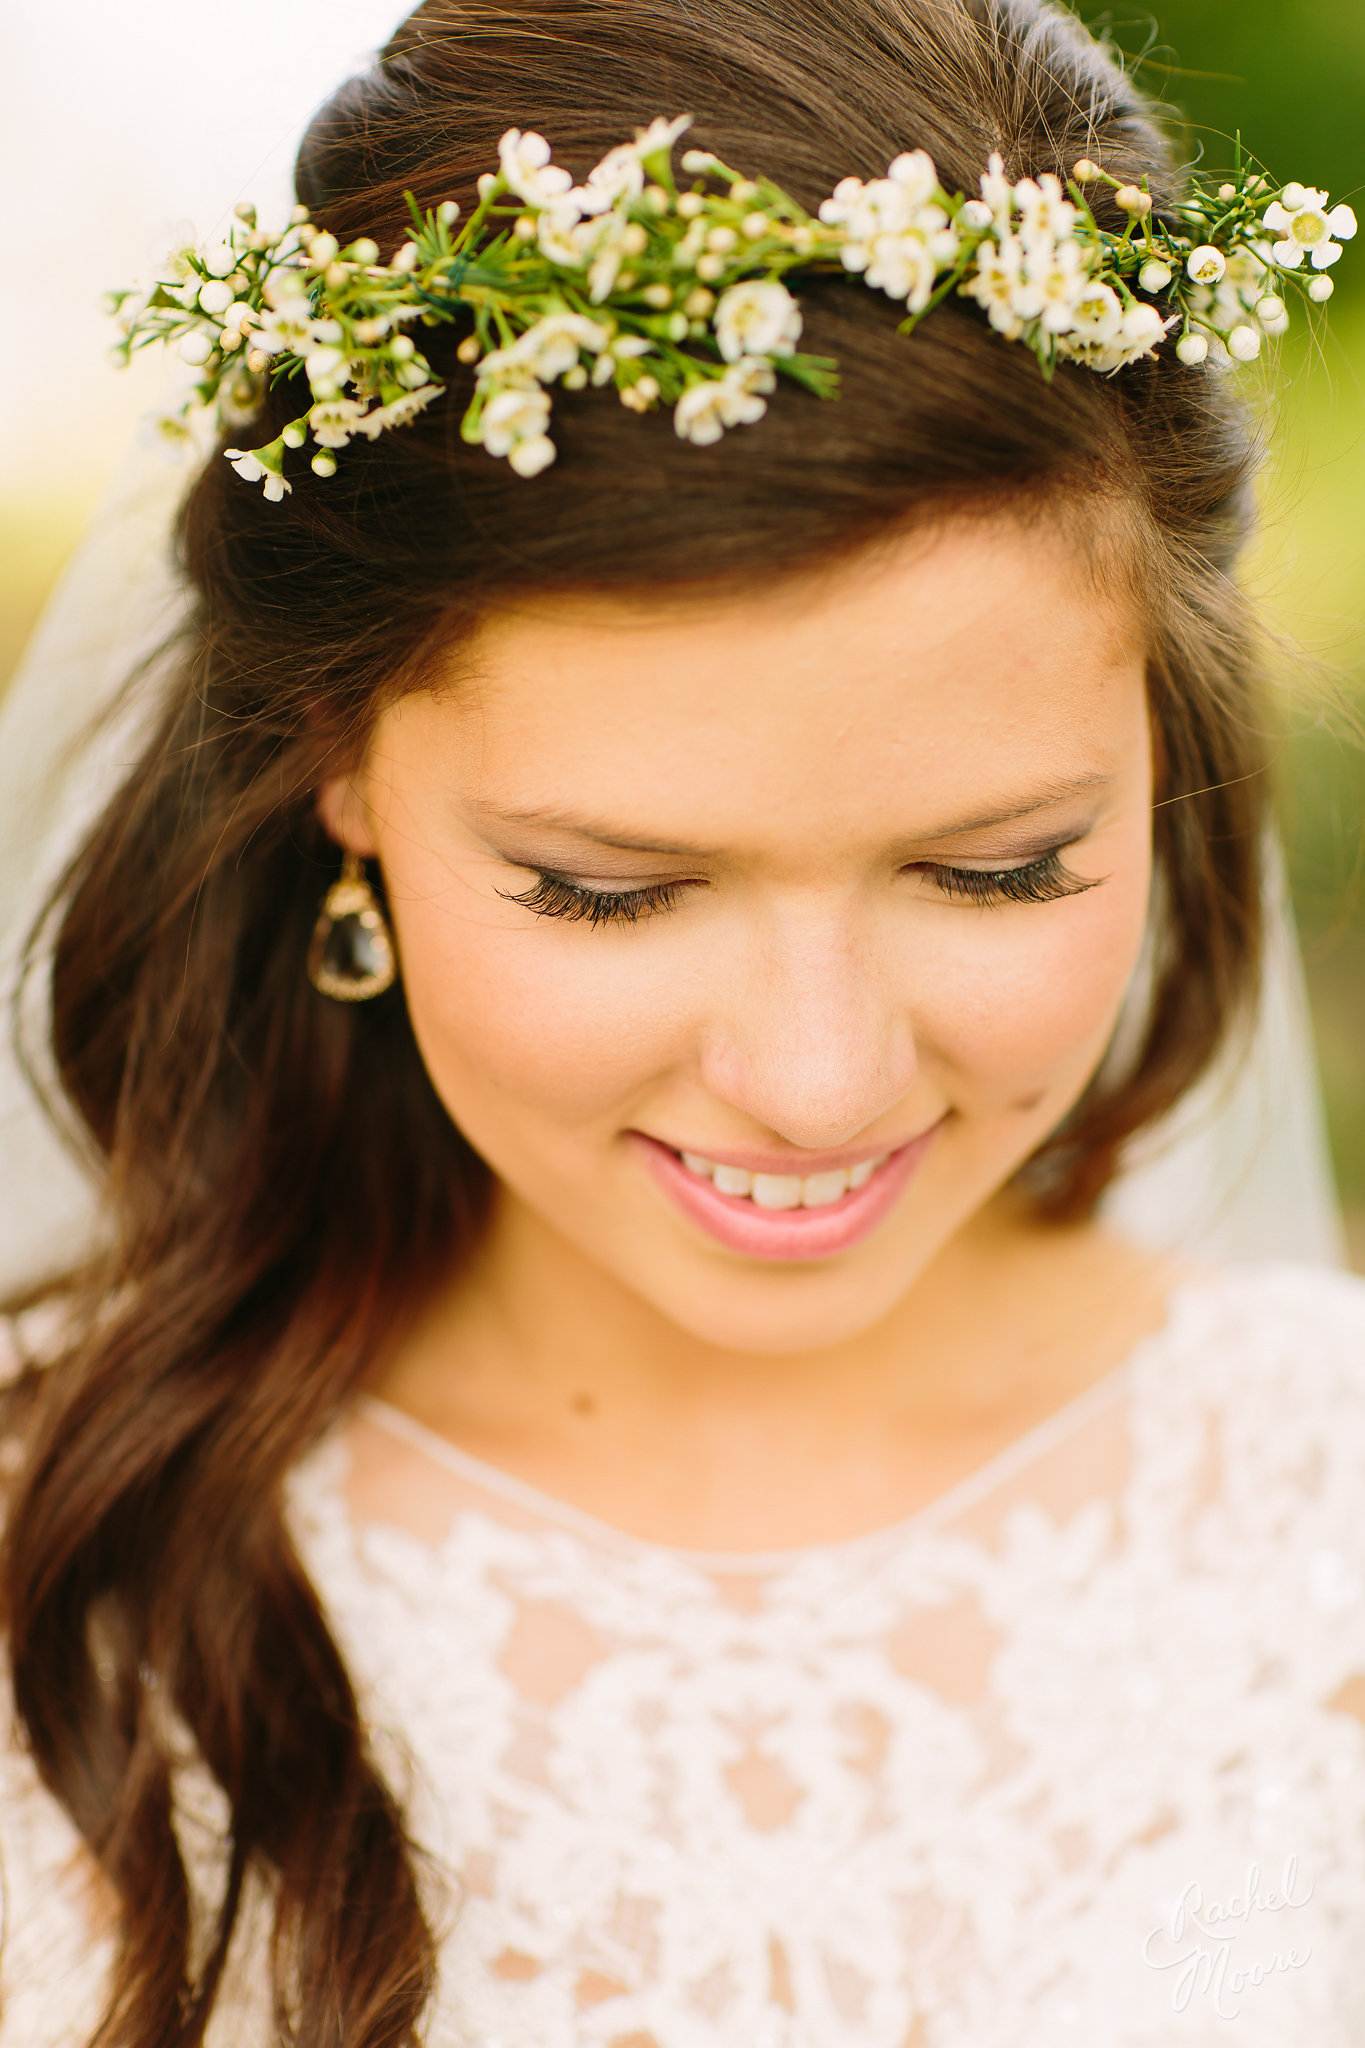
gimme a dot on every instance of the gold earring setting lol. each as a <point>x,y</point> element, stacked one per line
<point>351,957</point>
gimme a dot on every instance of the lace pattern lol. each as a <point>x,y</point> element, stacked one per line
<point>1077,1754</point>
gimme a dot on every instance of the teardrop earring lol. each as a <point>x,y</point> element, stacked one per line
<point>351,956</point>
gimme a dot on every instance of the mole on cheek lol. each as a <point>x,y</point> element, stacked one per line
<point>583,1404</point>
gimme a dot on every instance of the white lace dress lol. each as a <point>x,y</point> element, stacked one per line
<point>1075,1755</point>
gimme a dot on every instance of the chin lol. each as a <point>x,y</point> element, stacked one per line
<point>783,1314</point>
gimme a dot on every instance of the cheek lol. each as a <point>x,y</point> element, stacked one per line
<point>559,1022</point>
<point>1024,1014</point>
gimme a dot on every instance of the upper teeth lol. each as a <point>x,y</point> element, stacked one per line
<point>784,1190</point>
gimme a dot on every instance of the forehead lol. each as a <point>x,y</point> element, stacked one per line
<point>960,662</point>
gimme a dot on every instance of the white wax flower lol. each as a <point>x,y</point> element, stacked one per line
<point>1306,228</point>
<point>335,421</point>
<point>518,413</point>
<point>1192,348</point>
<point>548,349</point>
<point>1206,264</point>
<point>1046,214</point>
<point>525,161</point>
<point>757,319</point>
<point>621,174</point>
<point>897,233</point>
<point>736,399</point>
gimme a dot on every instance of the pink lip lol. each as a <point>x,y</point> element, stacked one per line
<point>784,1233</point>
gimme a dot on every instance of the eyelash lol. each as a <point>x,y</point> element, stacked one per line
<point>1042,881</point>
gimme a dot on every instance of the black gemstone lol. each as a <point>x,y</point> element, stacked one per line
<point>352,952</point>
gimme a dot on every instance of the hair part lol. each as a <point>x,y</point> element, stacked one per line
<point>149,1569</point>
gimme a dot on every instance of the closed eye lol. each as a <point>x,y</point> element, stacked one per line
<point>556,896</point>
<point>1041,881</point>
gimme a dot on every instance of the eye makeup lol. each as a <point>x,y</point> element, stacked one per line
<point>1044,880</point>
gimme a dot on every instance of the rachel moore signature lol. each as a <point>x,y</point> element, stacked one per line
<point>1201,1935</point>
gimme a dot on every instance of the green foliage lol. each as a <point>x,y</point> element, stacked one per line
<point>1288,74</point>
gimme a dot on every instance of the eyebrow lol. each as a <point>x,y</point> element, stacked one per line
<point>625,842</point>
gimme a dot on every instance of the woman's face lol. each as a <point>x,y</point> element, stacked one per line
<point>754,942</point>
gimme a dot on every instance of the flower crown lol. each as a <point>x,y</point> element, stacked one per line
<point>678,296</point>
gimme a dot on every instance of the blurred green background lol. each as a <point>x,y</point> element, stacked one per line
<point>1291,75</point>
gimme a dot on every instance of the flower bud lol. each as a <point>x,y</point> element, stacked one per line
<point>700,304</point>
<point>365,251</point>
<point>295,434</point>
<point>690,204</point>
<point>754,226</point>
<point>679,327</point>
<point>635,239</point>
<point>722,240</point>
<point>656,199</point>
<point>524,228</point>
<point>1293,197</point>
<point>648,388</point>
<point>215,296</point>
<point>1272,313</point>
<point>322,250</point>
<point>1244,344</point>
<point>696,161</point>
<point>298,216</point>
<point>575,379</point>
<point>710,268</point>
<point>1154,275</point>
<point>1132,200</point>
<point>1321,289</point>
<point>402,348</point>
<point>246,212</point>
<point>1086,171</point>
<point>258,360</point>
<point>196,349</point>
<point>487,186</point>
<point>470,349</point>
<point>976,214</point>
<point>324,463</point>
<point>338,274</point>
<point>1227,191</point>
<point>407,259</point>
<point>1192,348</point>
<point>743,190</point>
<point>660,296</point>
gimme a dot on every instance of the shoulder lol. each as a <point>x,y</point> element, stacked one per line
<point>1253,1398</point>
<point>1272,1321</point>
<point>1270,1339</point>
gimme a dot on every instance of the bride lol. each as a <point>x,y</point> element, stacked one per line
<point>606,1485</point>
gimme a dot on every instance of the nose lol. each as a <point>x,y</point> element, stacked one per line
<point>810,1036</point>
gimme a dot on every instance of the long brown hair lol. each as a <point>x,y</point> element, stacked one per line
<point>280,1180</point>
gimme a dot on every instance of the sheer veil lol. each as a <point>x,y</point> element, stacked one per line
<point>1240,1171</point>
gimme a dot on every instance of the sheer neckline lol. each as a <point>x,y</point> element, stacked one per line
<point>966,1492</point>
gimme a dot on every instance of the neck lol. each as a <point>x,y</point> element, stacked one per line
<point>540,1361</point>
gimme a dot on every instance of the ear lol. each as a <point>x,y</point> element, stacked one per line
<point>346,816</point>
